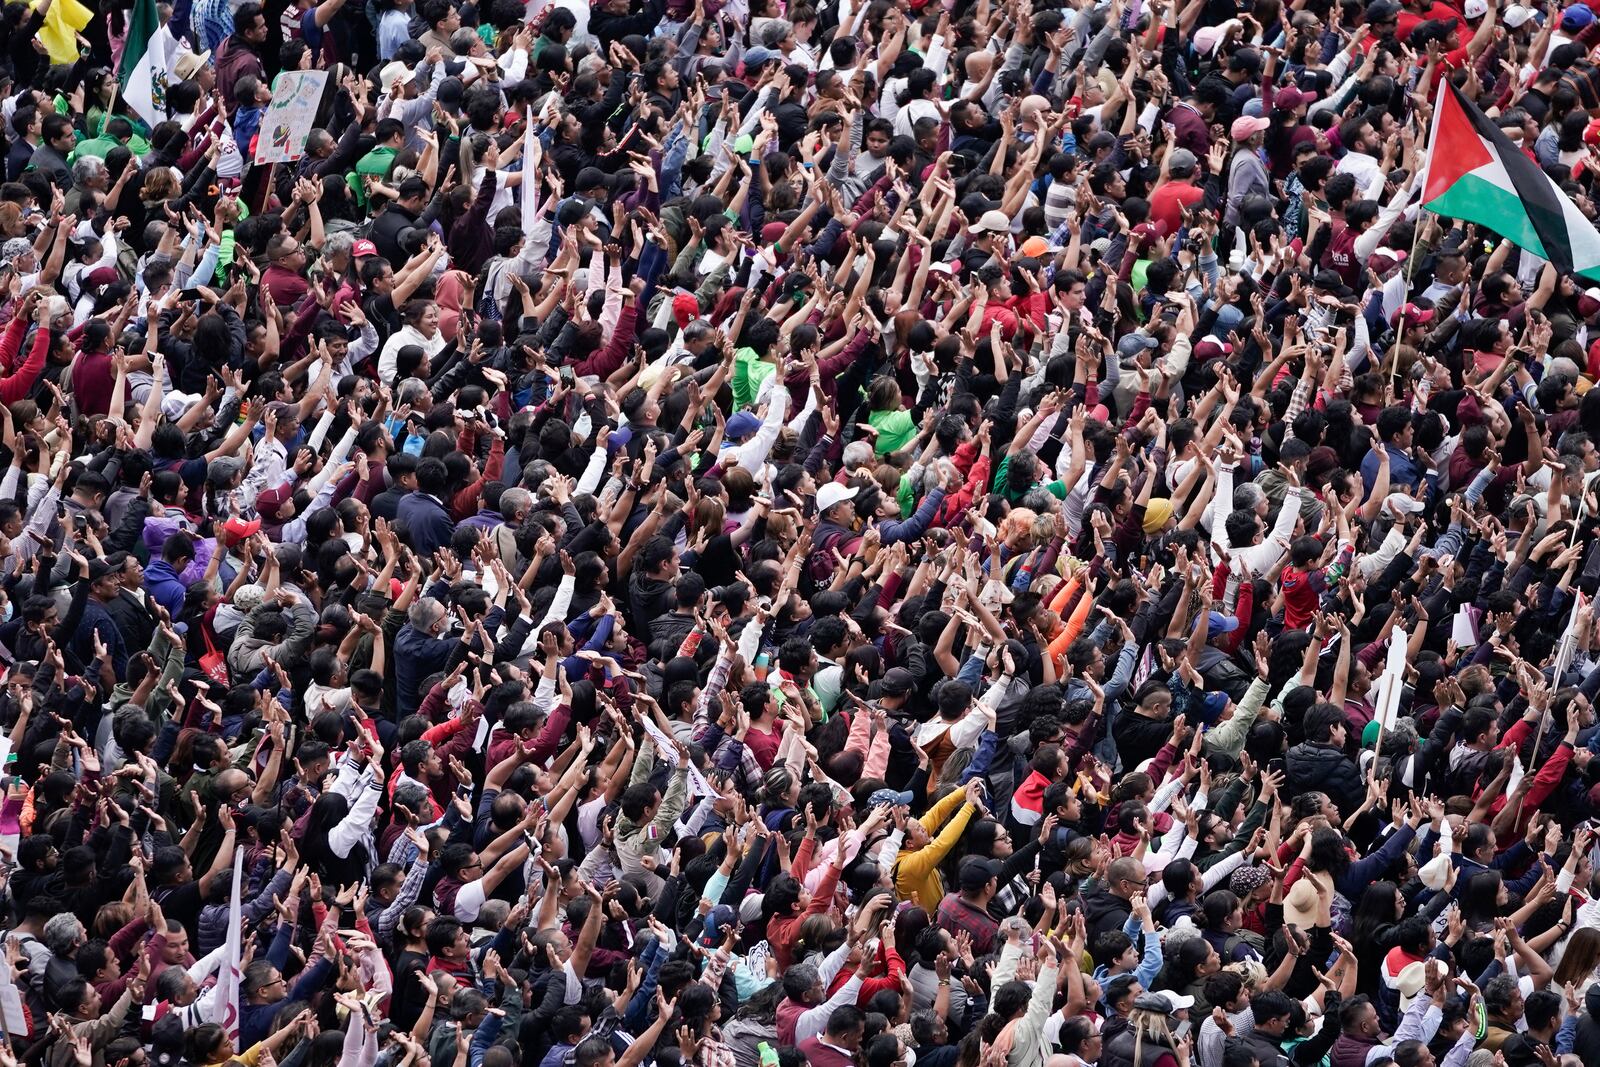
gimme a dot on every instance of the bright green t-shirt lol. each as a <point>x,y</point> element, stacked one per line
<point>895,430</point>
<point>749,372</point>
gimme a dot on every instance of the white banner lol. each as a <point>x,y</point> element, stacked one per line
<point>698,786</point>
<point>231,972</point>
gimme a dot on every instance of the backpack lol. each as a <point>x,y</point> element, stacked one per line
<point>821,563</point>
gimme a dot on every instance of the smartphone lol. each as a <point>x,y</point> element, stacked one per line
<point>1275,766</point>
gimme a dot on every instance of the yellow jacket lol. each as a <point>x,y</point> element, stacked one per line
<point>916,874</point>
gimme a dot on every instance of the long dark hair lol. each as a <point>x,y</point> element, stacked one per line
<point>328,811</point>
<point>1376,910</point>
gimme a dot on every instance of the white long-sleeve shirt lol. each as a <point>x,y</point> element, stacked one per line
<point>1258,558</point>
<point>363,789</point>
<point>753,453</point>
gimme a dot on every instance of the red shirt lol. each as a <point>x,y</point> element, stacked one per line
<point>1299,598</point>
<point>1167,204</point>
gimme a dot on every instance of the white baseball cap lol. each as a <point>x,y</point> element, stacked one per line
<point>834,493</point>
<point>1515,15</point>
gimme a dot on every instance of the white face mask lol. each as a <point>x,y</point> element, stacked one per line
<point>910,1056</point>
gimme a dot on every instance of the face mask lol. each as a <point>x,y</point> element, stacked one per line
<point>911,1056</point>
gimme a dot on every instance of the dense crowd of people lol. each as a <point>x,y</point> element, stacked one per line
<point>746,534</point>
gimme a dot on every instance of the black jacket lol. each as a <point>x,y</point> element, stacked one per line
<point>1103,911</point>
<point>1139,738</point>
<point>388,229</point>
<point>1313,767</point>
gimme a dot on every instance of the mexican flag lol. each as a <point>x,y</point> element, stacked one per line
<point>147,60</point>
<point>1475,173</point>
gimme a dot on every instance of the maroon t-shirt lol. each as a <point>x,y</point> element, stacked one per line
<point>92,381</point>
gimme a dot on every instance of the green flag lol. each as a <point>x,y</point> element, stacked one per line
<point>142,23</point>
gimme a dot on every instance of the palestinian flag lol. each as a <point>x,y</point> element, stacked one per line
<point>1475,173</point>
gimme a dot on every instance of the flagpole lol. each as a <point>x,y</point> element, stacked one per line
<point>1420,183</point>
<point>1565,650</point>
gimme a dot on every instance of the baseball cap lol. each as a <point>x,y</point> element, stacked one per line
<point>1034,246</point>
<point>685,307</point>
<point>1182,159</point>
<point>718,919</point>
<point>1386,259</point>
<point>1514,16</point>
<point>1245,127</point>
<point>1217,624</point>
<point>1412,315</point>
<point>1134,343</point>
<point>363,247</point>
<point>98,569</point>
<point>898,681</point>
<point>893,797</point>
<point>741,426</point>
<point>1247,60</point>
<point>834,493</point>
<point>14,250</point>
<point>236,529</point>
<point>591,178</point>
<point>977,872</point>
<point>1475,9</point>
<point>1576,18</point>
<point>1382,11</point>
<point>1290,98</point>
<point>1163,1003</point>
<point>1145,234</point>
<point>1329,281</point>
<point>222,470</point>
<point>1212,347</point>
<point>758,55</point>
<point>1401,504</point>
<point>1589,302</point>
<point>992,222</point>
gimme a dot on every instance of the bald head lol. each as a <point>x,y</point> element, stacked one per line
<point>230,782</point>
<point>1125,877</point>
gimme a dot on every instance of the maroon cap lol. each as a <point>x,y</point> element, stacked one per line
<point>1412,315</point>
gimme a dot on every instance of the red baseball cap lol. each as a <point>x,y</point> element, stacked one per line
<point>1412,315</point>
<point>236,530</point>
